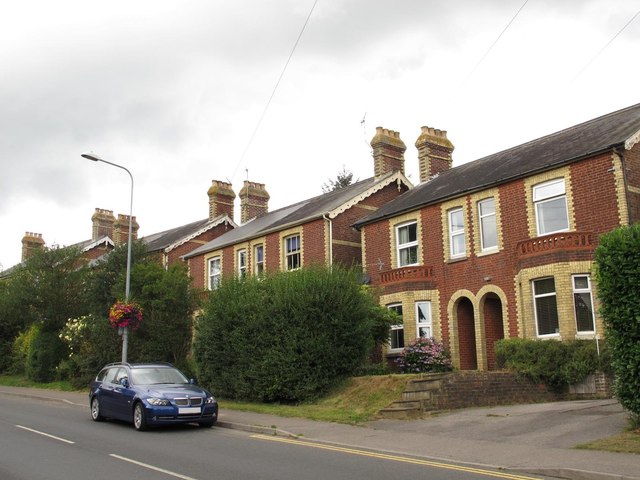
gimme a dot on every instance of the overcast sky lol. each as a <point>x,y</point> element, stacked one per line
<point>174,91</point>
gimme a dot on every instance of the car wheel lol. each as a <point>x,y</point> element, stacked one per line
<point>96,416</point>
<point>139,420</point>
<point>207,423</point>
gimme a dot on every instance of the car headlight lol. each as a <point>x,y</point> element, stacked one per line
<point>158,402</point>
<point>210,400</point>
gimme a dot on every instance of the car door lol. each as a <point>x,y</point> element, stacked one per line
<point>122,396</point>
<point>105,391</point>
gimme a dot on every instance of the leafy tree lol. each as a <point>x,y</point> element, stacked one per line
<point>344,179</point>
<point>618,276</point>
<point>288,337</point>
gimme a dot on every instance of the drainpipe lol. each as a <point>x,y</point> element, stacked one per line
<point>327,219</point>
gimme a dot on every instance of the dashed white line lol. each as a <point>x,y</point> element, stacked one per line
<point>151,467</point>
<point>45,434</point>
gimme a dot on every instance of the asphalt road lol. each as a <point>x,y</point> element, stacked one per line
<point>42,440</point>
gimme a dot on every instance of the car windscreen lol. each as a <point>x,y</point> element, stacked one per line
<point>157,375</point>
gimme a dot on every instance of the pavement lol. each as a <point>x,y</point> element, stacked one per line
<point>521,439</point>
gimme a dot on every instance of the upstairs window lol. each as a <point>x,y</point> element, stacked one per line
<point>258,260</point>
<point>396,336</point>
<point>215,273</point>
<point>292,252</point>
<point>550,201</point>
<point>242,263</point>
<point>583,304</point>
<point>456,233</point>
<point>488,224</point>
<point>546,307</point>
<point>407,244</point>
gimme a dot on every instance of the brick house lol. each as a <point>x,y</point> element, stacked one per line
<point>169,246</point>
<point>316,230</point>
<point>503,246</point>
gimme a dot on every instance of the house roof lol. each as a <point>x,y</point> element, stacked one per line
<point>329,204</point>
<point>618,129</point>
<point>174,237</point>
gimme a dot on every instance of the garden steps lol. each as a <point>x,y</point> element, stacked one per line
<point>417,399</point>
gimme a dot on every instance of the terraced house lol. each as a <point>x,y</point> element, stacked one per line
<point>503,246</point>
<point>317,230</point>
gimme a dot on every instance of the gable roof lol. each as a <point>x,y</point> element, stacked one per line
<point>620,129</point>
<point>329,204</point>
<point>174,237</point>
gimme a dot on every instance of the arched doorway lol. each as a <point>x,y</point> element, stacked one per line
<point>493,326</point>
<point>466,335</point>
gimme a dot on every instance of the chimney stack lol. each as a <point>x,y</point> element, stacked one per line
<point>388,152</point>
<point>254,201</point>
<point>103,222</point>
<point>221,199</point>
<point>121,229</point>
<point>434,152</point>
<point>31,242</point>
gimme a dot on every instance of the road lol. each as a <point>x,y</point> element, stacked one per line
<point>44,440</point>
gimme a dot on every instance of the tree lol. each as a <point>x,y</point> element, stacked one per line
<point>344,179</point>
<point>46,291</point>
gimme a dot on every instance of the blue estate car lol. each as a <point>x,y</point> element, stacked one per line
<point>150,394</point>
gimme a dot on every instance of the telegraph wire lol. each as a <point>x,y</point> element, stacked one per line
<point>494,43</point>
<point>603,48</point>
<point>264,111</point>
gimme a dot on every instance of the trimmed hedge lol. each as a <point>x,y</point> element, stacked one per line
<point>618,275</point>
<point>557,364</point>
<point>288,337</point>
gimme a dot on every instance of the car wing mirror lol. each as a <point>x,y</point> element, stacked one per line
<point>192,381</point>
<point>124,382</point>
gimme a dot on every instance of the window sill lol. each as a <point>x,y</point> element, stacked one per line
<point>457,259</point>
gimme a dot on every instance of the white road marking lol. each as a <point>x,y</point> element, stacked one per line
<point>45,434</point>
<point>151,467</point>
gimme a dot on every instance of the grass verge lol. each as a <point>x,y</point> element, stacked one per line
<point>20,381</point>
<point>625,442</point>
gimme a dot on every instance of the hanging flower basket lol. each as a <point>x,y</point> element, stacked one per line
<point>125,314</point>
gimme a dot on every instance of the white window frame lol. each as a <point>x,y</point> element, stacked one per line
<point>423,309</point>
<point>540,296</point>
<point>292,253</point>
<point>409,246</point>
<point>242,263</point>
<point>544,194</point>
<point>397,329</point>
<point>488,223</point>
<point>258,260</point>
<point>578,293</point>
<point>456,233</point>
<point>215,275</point>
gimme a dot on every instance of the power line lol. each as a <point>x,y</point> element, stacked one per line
<point>255,130</point>
<point>603,48</point>
<point>494,43</point>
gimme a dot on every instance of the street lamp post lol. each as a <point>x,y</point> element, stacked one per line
<point>125,331</point>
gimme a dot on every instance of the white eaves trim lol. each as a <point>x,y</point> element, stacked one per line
<point>214,223</point>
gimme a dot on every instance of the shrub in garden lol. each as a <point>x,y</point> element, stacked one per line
<point>288,337</point>
<point>618,275</point>
<point>424,355</point>
<point>557,364</point>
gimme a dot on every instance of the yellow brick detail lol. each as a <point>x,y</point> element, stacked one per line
<point>623,208</point>
<point>207,257</point>
<point>444,211</point>
<point>408,300</point>
<point>475,198</point>
<point>397,221</point>
<point>530,182</point>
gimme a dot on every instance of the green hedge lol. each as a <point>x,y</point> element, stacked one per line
<point>618,275</point>
<point>557,364</point>
<point>288,337</point>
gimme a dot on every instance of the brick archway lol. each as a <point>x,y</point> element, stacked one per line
<point>493,326</point>
<point>466,334</point>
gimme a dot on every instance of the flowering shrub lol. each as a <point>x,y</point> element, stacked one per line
<point>124,314</point>
<point>424,355</point>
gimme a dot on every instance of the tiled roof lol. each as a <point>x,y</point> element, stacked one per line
<point>163,240</point>
<point>299,213</point>
<point>588,138</point>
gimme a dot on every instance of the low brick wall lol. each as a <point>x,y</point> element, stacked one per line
<point>481,389</point>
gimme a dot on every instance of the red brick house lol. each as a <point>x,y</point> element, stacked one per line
<point>503,246</point>
<point>316,230</point>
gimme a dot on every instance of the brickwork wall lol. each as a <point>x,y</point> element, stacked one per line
<point>632,169</point>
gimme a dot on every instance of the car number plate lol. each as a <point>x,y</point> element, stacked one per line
<point>188,410</point>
